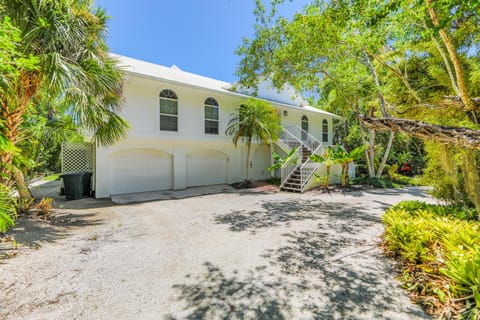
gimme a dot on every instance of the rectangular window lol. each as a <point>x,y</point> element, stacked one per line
<point>168,115</point>
<point>168,106</point>
<point>211,126</point>
<point>211,120</point>
<point>168,123</point>
<point>324,131</point>
<point>211,113</point>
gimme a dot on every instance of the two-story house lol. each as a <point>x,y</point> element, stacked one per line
<point>177,137</point>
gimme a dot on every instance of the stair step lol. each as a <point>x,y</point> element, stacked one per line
<point>293,185</point>
<point>291,189</point>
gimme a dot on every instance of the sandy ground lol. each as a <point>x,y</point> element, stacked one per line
<point>236,255</point>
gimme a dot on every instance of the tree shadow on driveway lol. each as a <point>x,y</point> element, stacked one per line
<point>350,273</point>
<point>339,292</point>
<point>31,231</point>
<point>213,295</point>
<point>281,213</point>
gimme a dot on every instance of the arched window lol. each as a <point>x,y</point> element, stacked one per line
<point>304,127</point>
<point>168,110</point>
<point>324,130</point>
<point>211,116</point>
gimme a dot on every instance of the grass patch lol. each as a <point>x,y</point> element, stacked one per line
<point>439,248</point>
<point>52,177</point>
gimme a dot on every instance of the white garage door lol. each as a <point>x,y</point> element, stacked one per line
<point>140,170</point>
<point>206,167</point>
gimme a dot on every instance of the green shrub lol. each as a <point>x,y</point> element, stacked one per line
<point>375,182</point>
<point>397,182</point>
<point>440,250</point>
<point>8,212</point>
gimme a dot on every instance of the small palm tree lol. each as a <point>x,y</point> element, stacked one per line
<point>328,160</point>
<point>256,120</point>
<point>340,155</point>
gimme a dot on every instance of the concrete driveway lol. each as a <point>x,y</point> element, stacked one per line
<point>236,255</point>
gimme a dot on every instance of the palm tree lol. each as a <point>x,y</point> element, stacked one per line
<point>340,155</point>
<point>255,120</point>
<point>66,40</point>
<point>328,159</point>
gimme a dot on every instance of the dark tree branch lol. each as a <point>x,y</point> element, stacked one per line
<point>458,136</point>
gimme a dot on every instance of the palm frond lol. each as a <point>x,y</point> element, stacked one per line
<point>8,212</point>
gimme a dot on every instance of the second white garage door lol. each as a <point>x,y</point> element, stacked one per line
<point>206,167</point>
<point>140,170</point>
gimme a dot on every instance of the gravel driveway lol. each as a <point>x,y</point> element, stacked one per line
<point>239,255</point>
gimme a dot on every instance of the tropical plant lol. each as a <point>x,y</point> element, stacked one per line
<point>328,159</point>
<point>340,155</point>
<point>62,49</point>
<point>254,121</point>
<point>279,162</point>
<point>8,211</point>
<point>440,250</point>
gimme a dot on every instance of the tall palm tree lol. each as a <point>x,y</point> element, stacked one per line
<point>67,40</point>
<point>255,120</point>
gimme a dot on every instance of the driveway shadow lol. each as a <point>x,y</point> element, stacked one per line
<point>213,295</point>
<point>278,213</point>
<point>347,270</point>
<point>336,260</point>
<point>337,292</point>
<point>31,231</point>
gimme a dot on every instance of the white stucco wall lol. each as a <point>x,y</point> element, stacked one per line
<point>141,110</point>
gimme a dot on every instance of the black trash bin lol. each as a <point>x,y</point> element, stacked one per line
<point>76,185</point>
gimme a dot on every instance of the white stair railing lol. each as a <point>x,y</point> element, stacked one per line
<point>290,139</point>
<point>288,168</point>
<point>295,137</point>
<point>304,137</point>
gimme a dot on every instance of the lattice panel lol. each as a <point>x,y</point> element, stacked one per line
<point>77,157</point>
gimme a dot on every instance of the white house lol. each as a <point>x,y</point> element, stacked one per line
<point>177,136</point>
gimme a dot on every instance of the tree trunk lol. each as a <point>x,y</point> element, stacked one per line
<point>345,174</point>
<point>457,136</point>
<point>23,191</point>
<point>12,121</point>
<point>447,65</point>
<point>383,108</point>
<point>381,99</point>
<point>370,166</point>
<point>249,145</point>
<point>371,151</point>
<point>12,111</point>
<point>457,65</point>
<point>385,155</point>
<point>326,183</point>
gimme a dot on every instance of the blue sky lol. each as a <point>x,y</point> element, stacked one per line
<point>199,36</point>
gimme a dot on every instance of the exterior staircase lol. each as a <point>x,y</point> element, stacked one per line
<point>294,181</point>
<point>296,174</point>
